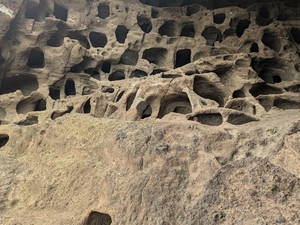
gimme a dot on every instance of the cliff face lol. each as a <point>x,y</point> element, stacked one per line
<point>149,112</point>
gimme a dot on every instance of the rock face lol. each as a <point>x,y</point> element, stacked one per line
<point>149,112</point>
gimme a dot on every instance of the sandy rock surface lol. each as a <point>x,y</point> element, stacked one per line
<point>149,112</point>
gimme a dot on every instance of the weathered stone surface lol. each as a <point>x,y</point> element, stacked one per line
<point>149,112</point>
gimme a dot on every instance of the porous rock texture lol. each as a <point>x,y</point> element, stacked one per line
<point>149,112</point>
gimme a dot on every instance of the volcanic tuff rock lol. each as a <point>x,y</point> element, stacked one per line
<point>149,112</point>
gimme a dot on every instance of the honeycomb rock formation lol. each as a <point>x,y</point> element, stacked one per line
<point>149,111</point>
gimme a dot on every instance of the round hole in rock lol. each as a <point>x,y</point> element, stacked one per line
<point>26,83</point>
<point>60,12</point>
<point>56,40</point>
<point>70,87</point>
<point>147,112</point>
<point>144,23</point>
<point>296,34</point>
<point>269,76</point>
<point>87,106</point>
<point>4,138</point>
<point>117,75</point>
<point>211,119</point>
<point>121,34</point>
<point>138,74</point>
<point>120,96</point>
<point>271,40</point>
<point>106,67</point>
<point>241,27</point>
<point>219,18</point>
<point>31,104</point>
<point>276,79</point>
<point>98,40</point>
<point>212,34</point>
<point>183,57</point>
<point>168,28</point>
<point>254,48</point>
<point>264,17</point>
<point>36,59</point>
<point>178,103</point>
<point>129,57</point>
<point>264,89</point>
<point>130,100</point>
<point>81,39</point>
<point>103,11</point>
<point>188,30</point>
<point>192,9</point>
<point>144,110</point>
<point>54,93</point>
<point>108,90</point>
<point>206,89</point>
<point>238,94</point>
<point>97,218</point>
<point>155,55</point>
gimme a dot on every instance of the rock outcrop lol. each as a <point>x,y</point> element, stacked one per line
<point>149,112</point>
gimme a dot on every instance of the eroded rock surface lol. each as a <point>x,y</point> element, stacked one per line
<point>149,112</point>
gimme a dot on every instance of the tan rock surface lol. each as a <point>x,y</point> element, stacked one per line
<point>149,112</point>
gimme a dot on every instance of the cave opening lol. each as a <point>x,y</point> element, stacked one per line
<point>31,104</point>
<point>271,40</point>
<point>207,89</point>
<point>242,26</point>
<point>138,74</point>
<point>263,89</point>
<point>98,40</point>
<point>121,34</point>
<point>168,29</point>
<point>276,79</point>
<point>155,55</point>
<point>70,87</point>
<point>254,48</point>
<point>177,103</point>
<point>82,39</point>
<point>210,119</point>
<point>144,23</point>
<point>26,83</point>
<point>106,66</point>
<point>129,57</point>
<point>130,100</point>
<point>212,34</point>
<point>183,57</point>
<point>147,112</point>
<point>117,75</point>
<point>103,11</point>
<point>87,106</point>
<point>296,34</point>
<point>192,9</point>
<point>56,40</point>
<point>219,18</point>
<point>60,12</point>
<point>188,30</point>
<point>36,59</point>
<point>4,138</point>
<point>97,218</point>
<point>54,93</point>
